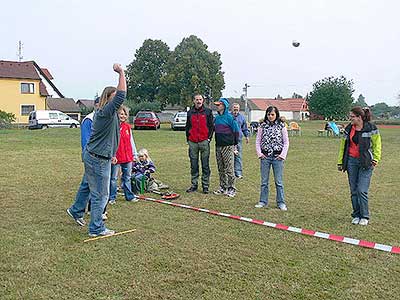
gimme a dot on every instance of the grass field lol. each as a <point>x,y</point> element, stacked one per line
<point>182,254</point>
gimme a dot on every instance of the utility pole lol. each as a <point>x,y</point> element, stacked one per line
<point>19,54</point>
<point>246,111</point>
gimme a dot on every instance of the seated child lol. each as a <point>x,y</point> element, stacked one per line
<point>142,167</point>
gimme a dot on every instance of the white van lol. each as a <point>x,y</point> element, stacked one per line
<point>41,119</point>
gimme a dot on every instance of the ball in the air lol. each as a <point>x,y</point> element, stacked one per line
<point>295,43</point>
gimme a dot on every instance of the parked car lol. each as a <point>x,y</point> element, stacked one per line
<point>179,120</point>
<point>42,119</point>
<point>146,119</point>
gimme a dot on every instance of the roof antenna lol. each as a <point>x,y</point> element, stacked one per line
<point>19,54</point>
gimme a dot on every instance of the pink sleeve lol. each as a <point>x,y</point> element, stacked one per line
<point>258,142</point>
<point>285,139</point>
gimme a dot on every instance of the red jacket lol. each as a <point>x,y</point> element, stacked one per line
<point>199,124</point>
<point>124,152</point>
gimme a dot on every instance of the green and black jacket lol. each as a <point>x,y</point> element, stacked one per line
<point>370,146</point>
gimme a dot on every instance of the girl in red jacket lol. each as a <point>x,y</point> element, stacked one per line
<point>126,154</point>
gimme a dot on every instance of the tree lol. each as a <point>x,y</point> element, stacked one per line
<point>191,69</point>
<point>381,110</point>
<point>6,119</point>
<point>278,97</point>
<point>331,97</point>
<point>144,73</point>
<point>297,96</point>
<point>360,101</point>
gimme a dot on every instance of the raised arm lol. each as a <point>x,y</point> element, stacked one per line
<point>121,80</point>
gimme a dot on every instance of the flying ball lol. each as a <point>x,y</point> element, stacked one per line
<point>295,43</point>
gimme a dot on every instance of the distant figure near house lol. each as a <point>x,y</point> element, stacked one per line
<point>243,132</point>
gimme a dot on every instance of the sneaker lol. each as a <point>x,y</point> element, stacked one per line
<point>239,177</point>
<point>205,190</point>
<point>104,216</point>
<point>282,207</point>
<point>103,233</point>
<point>231,192</point>
<point>260,205</point>
<point>355,221</point>
<point>220,191</point>
<point>112,202</point>
<point>79,221</point>
<point>191,189</point>
<point>133,200</point>
<point>363,222</point>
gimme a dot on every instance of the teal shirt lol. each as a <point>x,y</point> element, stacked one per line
<point>104,139</point>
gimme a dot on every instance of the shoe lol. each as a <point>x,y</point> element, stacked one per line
<point>231,192</point>
<point>104,216</point>
<point>79,221</point>
<point>103,233</point>
<point>191,189</point>
<point>112,202</point>
<point>205,190</point>
<point>220,191</point>
<point>133,200</point>
<point>363,222</point>
<point>282,207</point>
<point>260,205</point>
<point>355,221</point>
<point>239,177</point>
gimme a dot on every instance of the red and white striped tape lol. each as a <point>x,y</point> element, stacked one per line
<point>327,236</point>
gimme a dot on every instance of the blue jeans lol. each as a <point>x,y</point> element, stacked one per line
<point>238,159</point>
<point>81,199</point>
<point>126,169</point>
<point>277,168</point>
<point>97,172</point>
<point>359,180</point>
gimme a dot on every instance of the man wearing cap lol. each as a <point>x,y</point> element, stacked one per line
<point>243,131</point>
<point>226,138</point>
<point>86,130</point>
<point>199,131</point>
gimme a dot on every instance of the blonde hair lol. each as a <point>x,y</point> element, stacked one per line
<point>106,96</point>
<point>145,153</point>
<point>125,109</point>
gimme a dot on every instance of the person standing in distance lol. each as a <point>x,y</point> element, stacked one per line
<point>243,131</point>
<point>100,150</point>
<point>199,131</point>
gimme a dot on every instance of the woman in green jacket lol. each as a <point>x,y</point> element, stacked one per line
<point>360,152</point>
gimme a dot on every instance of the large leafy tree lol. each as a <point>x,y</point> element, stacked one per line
<point>192,69</point>
<point>331,97</point>
<point>360,101</point>
<point>146,70</point>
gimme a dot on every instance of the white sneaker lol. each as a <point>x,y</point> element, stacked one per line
<point>220,191</point>
<point>103,233</point>
<point>231,192</point>
<point>260,205</point>
<point>355,221</point>
<point>282,207</point>
<point>104,216</point>
<point>363,222</point>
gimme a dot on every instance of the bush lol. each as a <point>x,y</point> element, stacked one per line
<point>135,107</point>
<point>6,119</point>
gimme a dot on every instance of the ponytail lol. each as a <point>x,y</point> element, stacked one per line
<point>364,113</point>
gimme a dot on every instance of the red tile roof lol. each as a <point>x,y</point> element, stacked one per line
<point>21,70</point>
<point>289,104</point>
<point>42,89</point>
<point>47,73</point>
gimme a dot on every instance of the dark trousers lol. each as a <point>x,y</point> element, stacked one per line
<point>200,150</point>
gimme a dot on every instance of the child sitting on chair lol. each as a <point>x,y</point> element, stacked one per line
<point>141,170</point>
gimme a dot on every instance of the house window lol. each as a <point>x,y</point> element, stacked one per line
<point>27,88</point>
<point>26,109</point>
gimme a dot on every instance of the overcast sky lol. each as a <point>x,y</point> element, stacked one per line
<point>79,40</point>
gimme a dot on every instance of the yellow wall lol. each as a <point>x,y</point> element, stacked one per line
<point>11,97</point>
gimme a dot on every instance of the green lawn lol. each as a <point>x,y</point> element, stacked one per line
<point>181,254</point>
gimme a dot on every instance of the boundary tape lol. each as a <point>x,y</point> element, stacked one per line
<point>327,236</point>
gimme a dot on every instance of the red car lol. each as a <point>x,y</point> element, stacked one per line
<point>146,119</point>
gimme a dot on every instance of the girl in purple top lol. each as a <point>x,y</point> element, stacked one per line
<point>272,144</point>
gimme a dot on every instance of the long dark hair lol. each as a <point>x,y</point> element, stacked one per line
<point>269,110</point>
<point>364,113</point>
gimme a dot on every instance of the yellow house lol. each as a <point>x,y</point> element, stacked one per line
<point>24,87</point>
